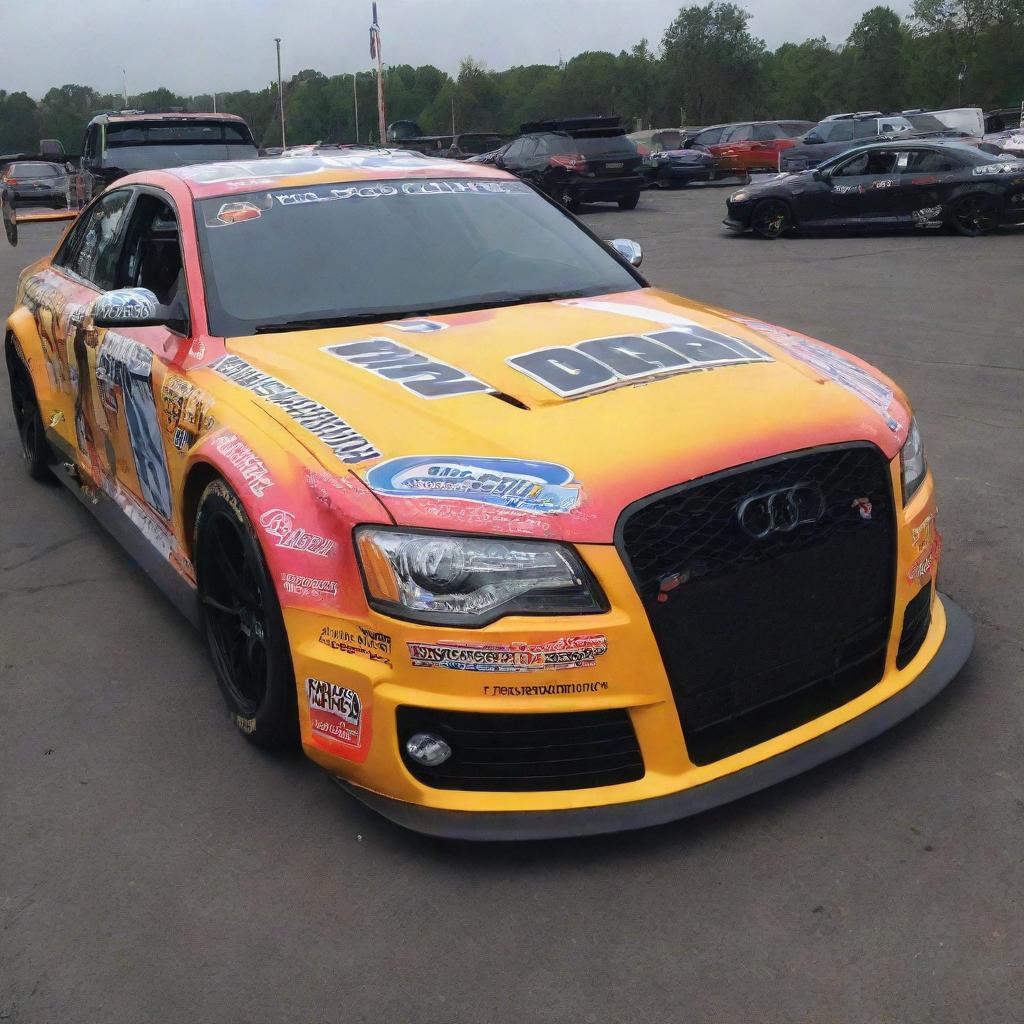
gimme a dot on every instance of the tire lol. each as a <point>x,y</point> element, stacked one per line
<point>242,622</point>
<point>771,218</point>
<point>974,215</point>
<point>629,201</point>
<point>29,422</point>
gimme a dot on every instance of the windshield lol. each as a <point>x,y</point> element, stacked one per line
<point>144,146</point>
<point>34,171</point>
<point>379,250</point>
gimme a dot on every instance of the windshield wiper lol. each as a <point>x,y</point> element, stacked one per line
<point>489,301</point>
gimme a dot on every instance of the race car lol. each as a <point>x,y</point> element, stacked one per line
<point>898,184</point>
<point>514,544</point>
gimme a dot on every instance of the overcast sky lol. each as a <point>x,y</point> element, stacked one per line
<point>194,46</point>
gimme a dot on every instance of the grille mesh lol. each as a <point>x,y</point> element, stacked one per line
<point>759,635</point>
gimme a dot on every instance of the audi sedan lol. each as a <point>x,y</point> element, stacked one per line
<point>512,543</point>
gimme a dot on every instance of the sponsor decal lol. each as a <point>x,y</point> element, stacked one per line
<point>930,216</point>
<point>280,527</point>
<point>542,487</point>
<point>544,690</point>
<point>185,410</point>
<point>250,466</point>
<point>247,725</point>
<point>923,567</point>
<point>671,582</point>
<point>844,190</point>
<point>600,363</point>
<point>835,367</point>
<point>863,506</point>
<point>563,653</point>
<point>423,376</point>
<point>924,533</point>
<point>369,643</point>
<point>380,190</point>
<point>237,213</point>
<point>307,586</point>
<point>418,326</point>
<point>335,712</point>
<point>1003,168</point>
<point>126,304</point>
<point>343,440</point>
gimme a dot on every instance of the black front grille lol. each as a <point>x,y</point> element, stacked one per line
<point>761,634</point>
<point>917,617</point>
<point>523,753</point>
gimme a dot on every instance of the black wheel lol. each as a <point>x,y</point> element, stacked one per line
<point>974,215</point>
<point>629,200</point>
<point>242,621</point>
<point>771,218</point>
<point>29,422</point>
<point>568,198</point>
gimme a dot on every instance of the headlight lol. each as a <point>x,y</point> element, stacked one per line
<point>445,579</point>
<point>913,465</point>
<point>739,197</point>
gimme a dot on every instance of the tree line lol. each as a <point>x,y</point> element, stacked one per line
<point>708,68</point>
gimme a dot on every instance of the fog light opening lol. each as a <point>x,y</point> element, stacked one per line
<point>427,749</point>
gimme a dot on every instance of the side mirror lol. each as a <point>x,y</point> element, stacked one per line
<point>134,307</point>
<point>810,139</point>
<point>629,250</point>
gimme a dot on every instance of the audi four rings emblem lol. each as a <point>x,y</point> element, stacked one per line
<point>780,511</point>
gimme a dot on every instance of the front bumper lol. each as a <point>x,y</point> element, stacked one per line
<point>604,189</point>
<point>945,662</point>
<point>735,224</point>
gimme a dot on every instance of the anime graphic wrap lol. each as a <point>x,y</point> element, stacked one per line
<point>124,372</point>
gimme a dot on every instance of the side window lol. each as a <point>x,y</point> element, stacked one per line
<point>514,153</point>
<point>853,167</point>
<point>93,247</point>
<point>709,138</point>
<point>741,133</point>
<point>529,149</point>
<point>766,132</point>
<point>151,257</point>
<point>920,160</point>
<point>866,129</point>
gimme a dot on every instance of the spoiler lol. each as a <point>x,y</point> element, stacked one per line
<point>12,220</point>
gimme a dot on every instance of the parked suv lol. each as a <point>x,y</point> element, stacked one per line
<point>747,146</point>
<point>117,144</point>
<point>837,134</point>
<point>575,161</point>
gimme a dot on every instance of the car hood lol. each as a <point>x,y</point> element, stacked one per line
<point>551,465</point>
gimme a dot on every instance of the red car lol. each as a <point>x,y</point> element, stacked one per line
<point>750,145</point>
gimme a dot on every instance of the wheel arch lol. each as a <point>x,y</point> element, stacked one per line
<point>199,476</point>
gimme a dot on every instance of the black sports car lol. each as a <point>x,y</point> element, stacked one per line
<point>894,184</point>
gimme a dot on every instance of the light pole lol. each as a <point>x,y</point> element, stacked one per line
<point>280,91</point>
<point>355,104</point>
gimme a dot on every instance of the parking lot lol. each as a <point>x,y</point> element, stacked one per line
<point>155,867</point>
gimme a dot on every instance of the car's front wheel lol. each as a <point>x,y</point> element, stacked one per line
<point>974,215</point>
<point>29,421</point>
<point>629,201</point>
<point>242,621</point>
<point>771,218</point>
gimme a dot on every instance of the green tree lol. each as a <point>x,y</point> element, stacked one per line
<point>19,123</point>
<point>876,72</point>
<point>712,68</point>
<point>64,113</point>
<point>805,80</point>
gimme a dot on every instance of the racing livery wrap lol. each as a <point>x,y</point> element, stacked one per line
<point>503,566</point>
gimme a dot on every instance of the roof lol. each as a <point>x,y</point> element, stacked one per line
<point>222,179</point>
<point>166,116</point>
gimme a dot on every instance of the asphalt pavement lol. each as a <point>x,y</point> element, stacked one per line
<point>155,867</point>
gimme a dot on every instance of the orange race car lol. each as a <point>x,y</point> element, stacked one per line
<point>514,544</point>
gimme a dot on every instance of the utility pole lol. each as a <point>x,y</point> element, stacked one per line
<point>280,91</point>
<point>215,103</point>
<point>355,104</point>
<point>453,112</point>
<point>124,86</point>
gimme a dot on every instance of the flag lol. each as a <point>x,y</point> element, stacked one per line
<point>374,35</point>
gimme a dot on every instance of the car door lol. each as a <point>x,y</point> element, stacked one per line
<point>149,415</point>
<point>861,188</point>
<point>83,267</point>
<point>926,175</point>
<point>733,150</point>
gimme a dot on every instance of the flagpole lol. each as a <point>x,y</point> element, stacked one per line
<point>375,51</point>
<point>355,104</point>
